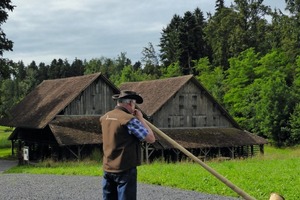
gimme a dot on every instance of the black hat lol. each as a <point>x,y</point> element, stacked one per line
<point>125,94</point>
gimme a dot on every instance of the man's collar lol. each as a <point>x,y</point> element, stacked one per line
<point>123,109</point>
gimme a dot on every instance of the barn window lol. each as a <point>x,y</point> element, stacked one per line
<point>169,122</point>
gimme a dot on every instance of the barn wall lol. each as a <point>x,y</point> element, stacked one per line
<point>94,100</point>
<point>190,107</point>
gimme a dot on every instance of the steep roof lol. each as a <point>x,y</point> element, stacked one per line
<point>47,100</point>
<point>76,130</point>
<point>157,92</point>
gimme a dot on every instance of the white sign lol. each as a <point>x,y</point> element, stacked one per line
<point>26,153</point>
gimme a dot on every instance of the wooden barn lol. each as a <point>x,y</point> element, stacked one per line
<point>59,118</point>
<point>183,109</point>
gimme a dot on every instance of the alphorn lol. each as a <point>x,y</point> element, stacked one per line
<point>235,188</point>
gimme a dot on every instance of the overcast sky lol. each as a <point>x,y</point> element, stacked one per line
<point>43,30</point>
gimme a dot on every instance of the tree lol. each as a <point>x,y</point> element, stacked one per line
<point>219,5</point>
<point>7,97</point>
<point>42,72</point>
<point>219,29</point>
<point>294,121</point>
<point>251,26</point>
<point>293,6</point>
<point>184,40</point>
<point>211,77</point>
<point>192,40</point>
<point>5,44</point>
<point>240,75</point>
<point>272,111</point>
<point>260,95</point>
<point>288,28</point>
<point>169,42</point>
<point>77,68</point>
<point>295,126</point>
<point>32,79</point>
<point>128,74</point>
<point>150,60</point>
<point>92,66</point>
<point>173,70</point>
<point>121,62</point>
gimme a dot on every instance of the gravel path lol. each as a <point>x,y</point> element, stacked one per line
<point>48,187</point>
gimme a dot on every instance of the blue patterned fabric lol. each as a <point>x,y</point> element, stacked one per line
<point>136,128</point>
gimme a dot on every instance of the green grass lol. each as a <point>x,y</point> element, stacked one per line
<point>257,177</point>
<point>4,134</point>
<point>277,171</point>
<point>83,168</point>
<point>5,153</point>
<point>5,144</point>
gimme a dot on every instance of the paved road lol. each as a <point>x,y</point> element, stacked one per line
<point>6,164</point>
<point>54,187</point>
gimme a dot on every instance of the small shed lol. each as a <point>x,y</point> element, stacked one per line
<point>188,113</point>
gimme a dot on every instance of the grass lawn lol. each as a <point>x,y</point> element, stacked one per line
<point>5,144</point>
<point>277,171</point>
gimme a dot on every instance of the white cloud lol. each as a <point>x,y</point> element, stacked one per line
<point>44,30</point>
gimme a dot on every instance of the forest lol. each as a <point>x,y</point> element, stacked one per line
<point>247,55</point>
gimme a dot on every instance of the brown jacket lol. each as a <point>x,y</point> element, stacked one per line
<point>121,150</point>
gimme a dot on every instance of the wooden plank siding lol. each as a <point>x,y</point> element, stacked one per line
<point>96,99</point>
<point>190,107</point>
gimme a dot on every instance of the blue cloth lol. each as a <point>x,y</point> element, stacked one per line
<point>136,128</point>
<point>120,186</point>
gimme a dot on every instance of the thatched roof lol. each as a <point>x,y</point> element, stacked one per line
<point>210,137</point>
<point>156,93</point>
<point>47,100</point>
<point>76,130</point>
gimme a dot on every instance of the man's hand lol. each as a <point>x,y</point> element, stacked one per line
<point>150,138</point>
<point>138,114</point>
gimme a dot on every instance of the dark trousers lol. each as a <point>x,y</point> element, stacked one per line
<point>120,186</point>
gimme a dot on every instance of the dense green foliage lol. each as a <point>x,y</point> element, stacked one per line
<point>276,171</point>
<point>246,55</point>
